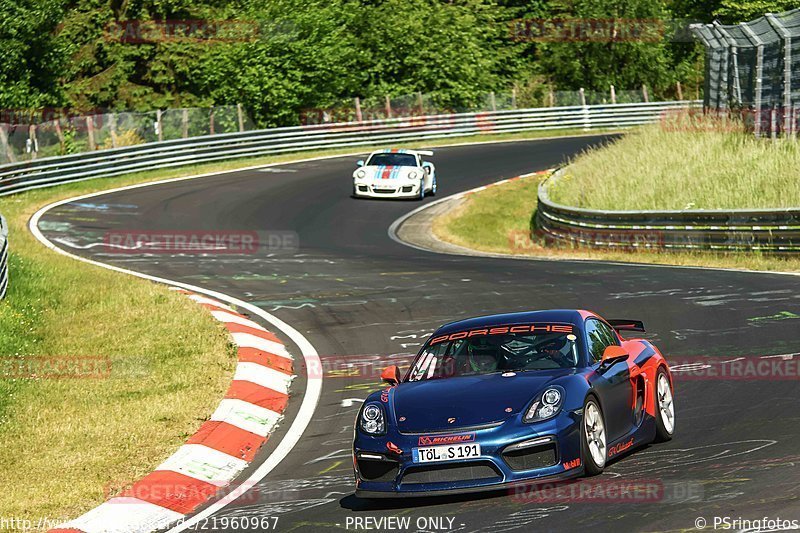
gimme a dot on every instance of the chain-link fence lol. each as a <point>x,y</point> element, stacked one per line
<point>419,104</point>
<point>25,135</point>
<point>753,68</point>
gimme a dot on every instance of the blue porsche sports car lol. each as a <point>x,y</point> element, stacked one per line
<point>510,399</point>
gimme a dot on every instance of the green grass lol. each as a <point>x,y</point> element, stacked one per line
<point>67,444</point>
<point>497,220</point>
<point>658,167</point>
<point>68,439</point>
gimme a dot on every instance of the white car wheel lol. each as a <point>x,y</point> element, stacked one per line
<point>666,407</point>
<point>594,431</point>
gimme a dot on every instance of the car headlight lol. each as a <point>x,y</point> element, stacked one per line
<point>360,174</point>
<point>373,421</point>
<point>547,405</point>
<point>412,175</point>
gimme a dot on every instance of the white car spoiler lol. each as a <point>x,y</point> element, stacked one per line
<point>425,152</point>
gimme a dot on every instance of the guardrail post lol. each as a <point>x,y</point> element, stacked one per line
<point>6,147</point>
<point>211,121</point>
<point>240,116</point>
<point>159,129</point>
<point>359,116</point>
<point>587,125</point>
<point>388,107</point>
<point>645,95</point>
<point>492,101</point>
<point>613,95</point>
<point>33,141</point>
<point>680,90</point>
<point>60,134</point>
<point>420,103</point>
<point>90,132</point>
<point>112,126</point>
<point>513,98</point>
<point>185,123</point>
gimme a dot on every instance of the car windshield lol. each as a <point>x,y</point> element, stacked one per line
<point>489,353</point>
<point>393,160</point>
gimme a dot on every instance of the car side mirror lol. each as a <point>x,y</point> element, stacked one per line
<point>360,163</point>
<point>613,354</point>
<point>391,375</point>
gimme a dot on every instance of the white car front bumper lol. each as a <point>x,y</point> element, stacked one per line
<point>387,189</point>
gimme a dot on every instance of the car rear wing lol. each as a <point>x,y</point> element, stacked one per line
<point>428,153</point>
<point>627,325</point>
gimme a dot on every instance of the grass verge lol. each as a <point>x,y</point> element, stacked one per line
<point>102,376</point>
<point>67,444</point>
<point>497,220</point>
<point>654,168</point>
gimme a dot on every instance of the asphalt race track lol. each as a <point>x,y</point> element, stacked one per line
<point>360,297</point>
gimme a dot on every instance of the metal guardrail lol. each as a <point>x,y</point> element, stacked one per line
<point>765,230</point>
<point>3,257</point>
<point>51,171</point>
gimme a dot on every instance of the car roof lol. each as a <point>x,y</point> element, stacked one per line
<point>564,316</point>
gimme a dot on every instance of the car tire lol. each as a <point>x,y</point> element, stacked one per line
<point>421,189</point>
<point>355,193</point>
<point>594,441</point>
<point>665,408</point>
<point>433,187</point>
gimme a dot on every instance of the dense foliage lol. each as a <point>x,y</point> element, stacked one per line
<point>278,57</point>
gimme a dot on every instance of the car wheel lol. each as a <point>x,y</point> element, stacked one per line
<point>421,189</point>
<point>593,438</point>
<point>665,408</point>
<point>433,187</point>
<point>355,193</point>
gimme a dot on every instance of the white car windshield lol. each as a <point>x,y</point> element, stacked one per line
<point>393,160</point>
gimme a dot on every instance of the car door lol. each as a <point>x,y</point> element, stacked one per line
<point>613,384</point>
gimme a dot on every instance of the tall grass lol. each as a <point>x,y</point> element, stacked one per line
<point>659,167</point>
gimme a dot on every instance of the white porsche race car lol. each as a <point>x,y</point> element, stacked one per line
<point>395,174</point>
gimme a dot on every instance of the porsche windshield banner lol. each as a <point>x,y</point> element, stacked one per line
<point>504,330</point>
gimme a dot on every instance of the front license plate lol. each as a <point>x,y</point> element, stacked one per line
<point>455,452</point>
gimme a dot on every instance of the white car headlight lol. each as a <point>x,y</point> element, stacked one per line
<point>373,421</point>
<point>360,174</point>
<point>412,175</point>
<point>547,405</point>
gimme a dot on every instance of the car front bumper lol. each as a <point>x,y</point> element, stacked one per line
<point>387,190</point>
<point>549,451</point>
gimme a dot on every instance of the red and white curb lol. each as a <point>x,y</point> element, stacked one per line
<point>220,449</point>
